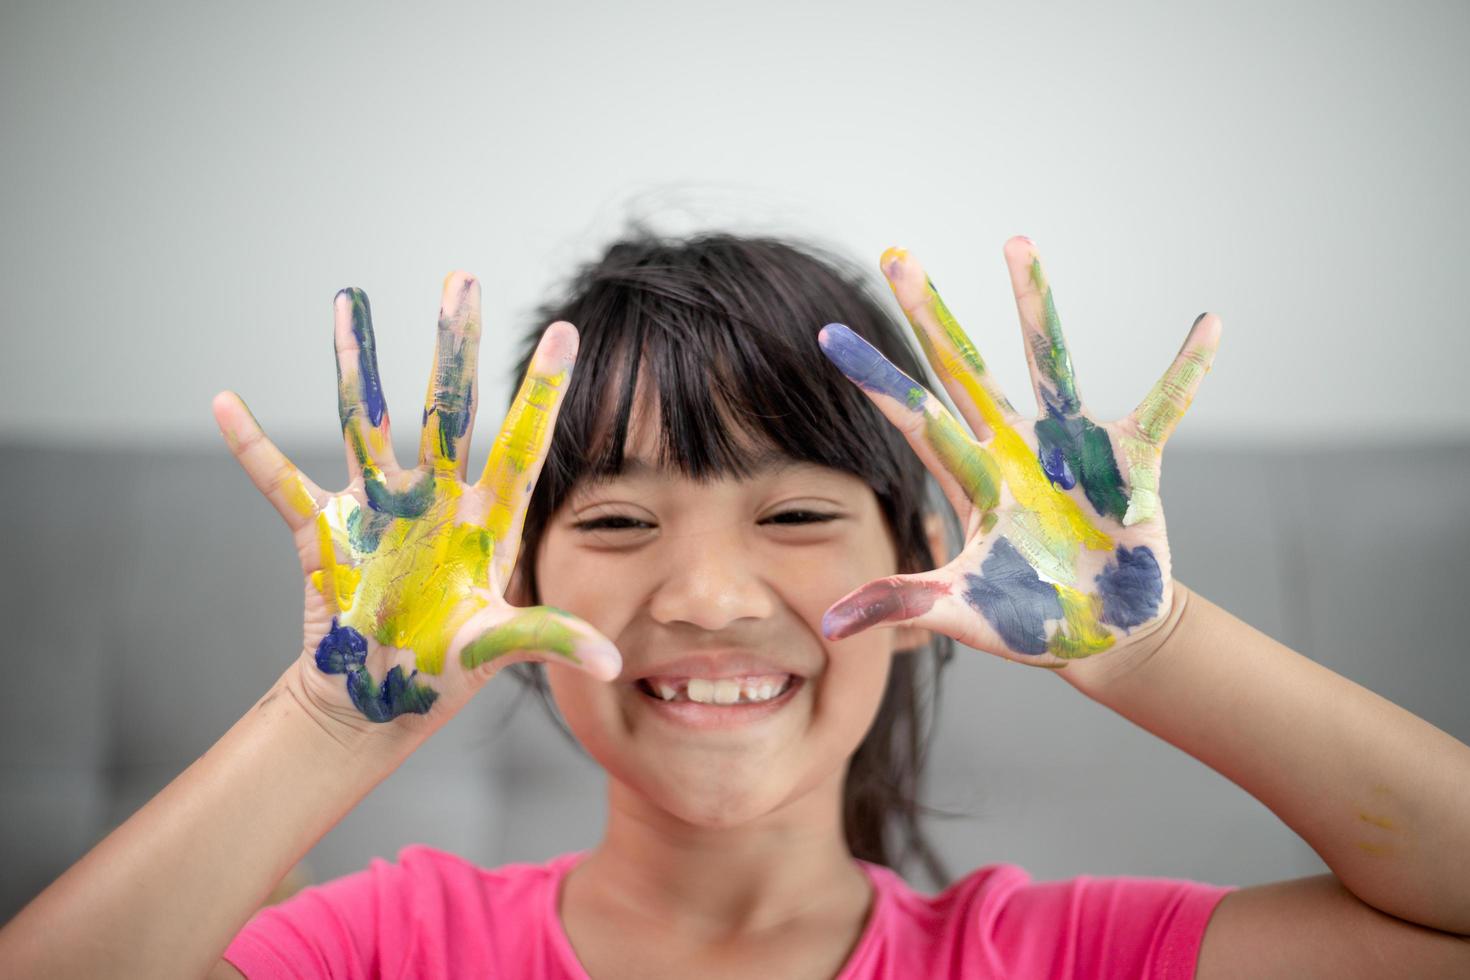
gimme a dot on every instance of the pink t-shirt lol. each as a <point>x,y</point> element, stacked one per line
<point>433,914</point>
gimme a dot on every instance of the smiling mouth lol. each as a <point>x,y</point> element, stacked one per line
<point>755,689</point>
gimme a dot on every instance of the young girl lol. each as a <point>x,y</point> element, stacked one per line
<point>731,574</point>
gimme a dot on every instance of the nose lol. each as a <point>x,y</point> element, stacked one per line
<point>711,581</point>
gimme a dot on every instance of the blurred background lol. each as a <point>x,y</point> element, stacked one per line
<point>185,186</point>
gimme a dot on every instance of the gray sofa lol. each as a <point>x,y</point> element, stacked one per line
<point>149,598</point>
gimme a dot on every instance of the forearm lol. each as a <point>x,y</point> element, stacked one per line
<point>165,893</point>
<point>1379,793</point>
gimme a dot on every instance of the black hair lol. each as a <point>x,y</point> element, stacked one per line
<point>724,330</point>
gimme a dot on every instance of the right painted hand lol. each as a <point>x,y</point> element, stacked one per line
<point>405,570</point>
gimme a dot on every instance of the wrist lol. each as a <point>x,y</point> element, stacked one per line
<point>337,728</point>
<point>1096,674</point>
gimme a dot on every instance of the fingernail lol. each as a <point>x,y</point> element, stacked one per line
<point>606,663</point>
<point>892,261</point>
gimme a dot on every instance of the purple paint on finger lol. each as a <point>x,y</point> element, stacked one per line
<point>889,600</point>
<point>865,365</point>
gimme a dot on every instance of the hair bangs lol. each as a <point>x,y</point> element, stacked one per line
<point>719,361</point>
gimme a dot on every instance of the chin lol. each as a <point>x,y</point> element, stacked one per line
<point>719,806</point>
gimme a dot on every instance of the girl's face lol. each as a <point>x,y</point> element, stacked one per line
<point>669,568</point>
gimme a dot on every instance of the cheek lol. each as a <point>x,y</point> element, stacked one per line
<point>812,580</point>
<point>589,708</point>
<point>579,582</point>
<point>852,686</point>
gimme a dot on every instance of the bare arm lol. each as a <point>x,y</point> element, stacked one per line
<point>1066,565</point>
<point>165,893</point>
<point>404,574</point>
<point>1379,793</point>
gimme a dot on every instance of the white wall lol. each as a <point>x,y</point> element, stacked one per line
<point>184,187</point>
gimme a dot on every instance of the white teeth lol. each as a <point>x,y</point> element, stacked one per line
<point>724,691</point>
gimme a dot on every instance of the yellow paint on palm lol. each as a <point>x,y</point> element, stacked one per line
<point>408,592</point>
<point>522,442</point>
<point>415,584</point>
<point>1081,632</point>
<point>335,581</point>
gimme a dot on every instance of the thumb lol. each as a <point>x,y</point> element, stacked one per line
<point>940,601</point>
<point>897,600</point>
<point>506,634</point>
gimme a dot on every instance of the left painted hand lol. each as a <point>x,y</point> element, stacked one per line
<point>1065,550</point>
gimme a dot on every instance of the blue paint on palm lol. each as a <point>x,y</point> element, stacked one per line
<point>1013,598</point>
<point>1131,588</point>
<point>344,651</point>
<point>365,527</point>
<point>399,695</point>
<point>1058,470</point>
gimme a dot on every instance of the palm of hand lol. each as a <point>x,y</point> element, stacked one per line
<point>1066,553</point>
<point>405,569</point>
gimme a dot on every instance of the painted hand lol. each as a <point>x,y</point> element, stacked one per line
<point>406,568</point>
<point>1065,551</point>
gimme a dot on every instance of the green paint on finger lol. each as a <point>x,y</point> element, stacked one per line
<point>966,350</point>
<point>975,469</point>
<point>1052,357</point>
<point>1167,401</point>
<point>542,628</point>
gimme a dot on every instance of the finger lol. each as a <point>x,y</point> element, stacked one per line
<point>964,470</point>
<point>960,368</point>
<point>360,402</point>
<point>1041,330</point>
<point>931,601</point>
<point>291,493</point>
<point>449,409</point>
<point>538,633</point>
<point>520,447</point>
<point>1001,606</point>
<point>1165,404</point>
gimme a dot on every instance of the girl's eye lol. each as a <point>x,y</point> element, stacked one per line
<point>614,522</point>
<point>800,517</point>
<point>618,522</point>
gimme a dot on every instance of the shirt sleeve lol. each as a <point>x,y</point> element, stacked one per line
<point>1105,927</point>
<point>350,927</point>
